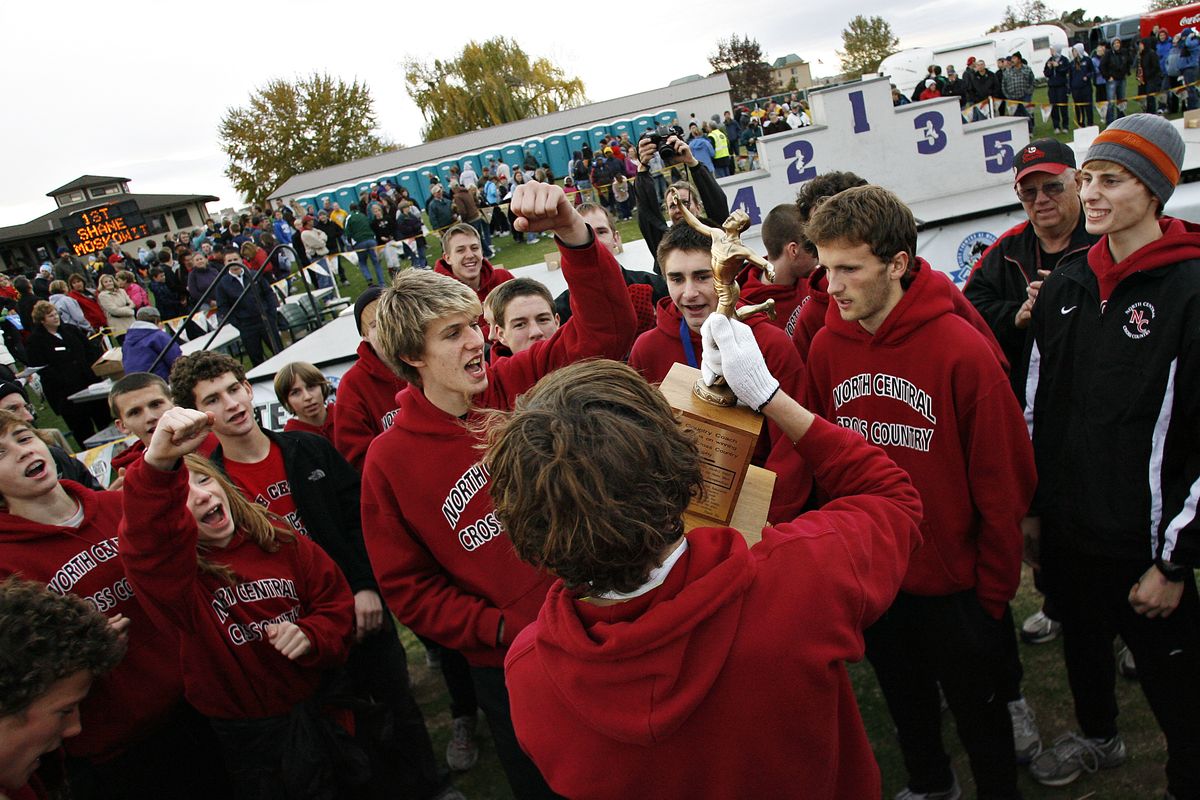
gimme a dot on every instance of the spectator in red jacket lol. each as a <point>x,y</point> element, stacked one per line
<point>663,663</point>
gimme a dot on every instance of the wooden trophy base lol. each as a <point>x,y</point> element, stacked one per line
<point>736,493</point>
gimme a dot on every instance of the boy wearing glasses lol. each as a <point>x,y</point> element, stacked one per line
<point>1007,277</point>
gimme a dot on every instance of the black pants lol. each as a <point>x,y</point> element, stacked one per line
<point>84,419</point>
<point>392,730</point>
<point>1058,107</point>
<point>1149,98</point>
<point>925,641</point>
<point>457,674</point>
<point>1092,598</point>
<point>1085,112</point>
<point>253,337</point>
<point>523,776</point>
<point>179,758</point>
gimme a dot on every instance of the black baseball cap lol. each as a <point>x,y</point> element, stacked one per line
<point>1044,155</point>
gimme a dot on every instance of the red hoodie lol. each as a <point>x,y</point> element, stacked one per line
<point>326,430</point>
<point>125,704</point>
<point>815,309</point>
<point>489,278</point>
<point>812,312</point>
<point>366,400</point>
<point>656,350</point>
<point>728,680</point>
<point>135,451</point>
<point>230,670</point>
<point>92,311</point>
<point>444,565</point>
<point>932,392</point>
<point>788,299</point>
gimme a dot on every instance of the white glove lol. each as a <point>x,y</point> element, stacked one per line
<point>731,351</point>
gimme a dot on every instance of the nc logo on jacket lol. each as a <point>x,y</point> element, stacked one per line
<point>316,475</point>
<point>1137,322</point>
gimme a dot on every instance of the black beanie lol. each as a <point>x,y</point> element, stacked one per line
<point>365,299</point>
<point>8,387</point>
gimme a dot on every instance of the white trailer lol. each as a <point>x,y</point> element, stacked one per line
<point>1034,43</point>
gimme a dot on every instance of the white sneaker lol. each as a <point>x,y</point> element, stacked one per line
<point>1125,663</point>
<point>1027,741</point>
<point>1072,755</point>
<point>462,752</point>
<point>1039,629</point>
<point>953,793</point>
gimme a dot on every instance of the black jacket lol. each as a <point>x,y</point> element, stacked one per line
<point>1117,411</point>
<point>650,218</point>
<point>998,282</point>
<point>71,468</point>
<point>258,303</point>
<point>1151,69</point>
<point>1116,64</point>
<point>326,491</point>
<point>981,86</point>
<point>68,361</point>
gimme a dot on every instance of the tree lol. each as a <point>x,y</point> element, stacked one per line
<point>741,58</point>
<point>1159,5</point>
<point>487,84</point>
<point>1027,12</point>
<point>865,42</point>
<point>289,128</point>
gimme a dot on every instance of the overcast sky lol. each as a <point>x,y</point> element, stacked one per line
<point>136,88</point>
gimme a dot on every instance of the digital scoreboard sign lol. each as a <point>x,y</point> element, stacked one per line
<point>116,224</point>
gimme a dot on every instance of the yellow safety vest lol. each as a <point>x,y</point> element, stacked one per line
<point>720,143</point>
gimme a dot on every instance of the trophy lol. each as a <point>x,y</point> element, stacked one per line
<point>728,257</point>
<point>736,493</point>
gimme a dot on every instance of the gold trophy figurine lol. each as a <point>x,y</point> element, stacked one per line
<point>728,257</point>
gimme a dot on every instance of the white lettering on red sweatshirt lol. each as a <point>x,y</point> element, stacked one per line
<point>442,559</point>
<point>931,390</point>
<point>230,669</point>
<point>125,704</point>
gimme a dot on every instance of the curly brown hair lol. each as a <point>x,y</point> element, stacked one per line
<point>591,473</point>
<point>187,371</point>
<point>816,191</point>
<point>45,637</point>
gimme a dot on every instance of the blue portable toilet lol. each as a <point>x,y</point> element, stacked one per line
<point>484,155</point>
<point>624,126</point>
<point>412,182</point>
<point>443,171</point>
<point>576,140</point>
<point>345,196</point>
<point>539,150</point>
<point>666,117</point>
<point>322,197</point>
<point>423,174</point>
<point>473,160</point>
<point>596,135</point>
<point>361,188</point>
<point>513,155</point>
<point>557,154</point>
<point>307,203</point>
<point>641,125</point>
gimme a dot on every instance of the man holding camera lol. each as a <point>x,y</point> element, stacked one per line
<point>701,194</point>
